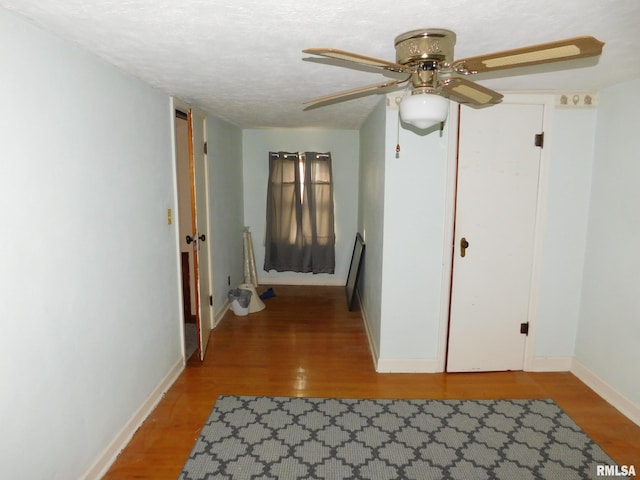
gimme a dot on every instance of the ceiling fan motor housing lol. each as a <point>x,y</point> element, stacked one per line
<point>418,46</point>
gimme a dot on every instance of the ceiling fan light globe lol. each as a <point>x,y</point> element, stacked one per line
<point>424,110</point>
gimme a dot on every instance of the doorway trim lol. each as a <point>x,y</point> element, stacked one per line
<point>548,104</point>
<point>175,104</point>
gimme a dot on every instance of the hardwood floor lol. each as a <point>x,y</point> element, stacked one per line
<point>306,343</point>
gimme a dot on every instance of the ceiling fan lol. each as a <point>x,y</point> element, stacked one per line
<point>425,57</point>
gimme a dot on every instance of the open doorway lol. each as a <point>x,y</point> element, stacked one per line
<point>185,220</point>
<point>191,172</point>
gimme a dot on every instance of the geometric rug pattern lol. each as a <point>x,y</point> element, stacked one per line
<point>250,437</point>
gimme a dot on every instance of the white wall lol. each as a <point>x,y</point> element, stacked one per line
<point>414,231</point>
<point>565,233</point>
<point>224,143</point>
<point>89,305</point>
<point>417,231</point>
<point>609,330</point>
<point>371,220</point>
<point>344,148</point>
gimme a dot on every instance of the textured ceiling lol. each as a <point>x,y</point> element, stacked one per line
<point>241,59</point>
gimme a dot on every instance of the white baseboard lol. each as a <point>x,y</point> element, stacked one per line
<point>390,365</point>
<point>373,348</point>
<point>606,391</point>
<point>120,441</point>
<point>303,279</point>
<point>549,364</point>
<point>408,365</point>
<point>220,313</point>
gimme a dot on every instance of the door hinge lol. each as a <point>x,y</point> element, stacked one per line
<point>211,300</point>
<point>539,141</point>
<point>205,148</point>
<point>524,328</point>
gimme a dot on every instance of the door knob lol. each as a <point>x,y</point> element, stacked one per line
<point>189,239</point>
<point>463,246</point>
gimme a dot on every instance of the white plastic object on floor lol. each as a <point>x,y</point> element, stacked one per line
<point>255,305</point>
<point>238,309</point>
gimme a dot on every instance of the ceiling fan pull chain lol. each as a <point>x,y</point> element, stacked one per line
<point>398,137</point>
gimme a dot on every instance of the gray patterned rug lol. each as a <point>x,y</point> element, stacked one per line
<point>322,438</point>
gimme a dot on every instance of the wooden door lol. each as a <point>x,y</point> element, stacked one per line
<point>199,238</point>
<point>497,191</point>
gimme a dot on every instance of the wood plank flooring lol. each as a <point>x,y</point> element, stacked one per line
<point>306,343</point>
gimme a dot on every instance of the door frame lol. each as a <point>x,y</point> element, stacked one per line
<point>177,104</point>
<point>548,103</point>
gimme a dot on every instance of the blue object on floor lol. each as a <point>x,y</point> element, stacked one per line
<point>267,294</point>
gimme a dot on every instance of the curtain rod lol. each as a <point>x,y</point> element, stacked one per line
<point>285,155</point>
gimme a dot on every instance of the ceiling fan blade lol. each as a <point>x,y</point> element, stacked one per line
<point>465,91</point>
<point>357,58</point>
<point>354,91</point>
<point>569,49</point>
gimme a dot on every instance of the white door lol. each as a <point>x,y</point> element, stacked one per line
<point>200,234</point>
<point>497,191</point>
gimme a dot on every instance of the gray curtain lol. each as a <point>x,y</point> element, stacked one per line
<point>300,219</point>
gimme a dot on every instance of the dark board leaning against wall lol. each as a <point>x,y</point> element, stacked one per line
<point>354,270</point>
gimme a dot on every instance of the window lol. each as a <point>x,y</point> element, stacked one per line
<point>300,218</point>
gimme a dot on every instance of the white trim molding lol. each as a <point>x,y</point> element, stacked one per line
<point>302,279</point>
<point>408,365</point>
<point>626,406</point>
<point>124,436</point>
<point>449,218</point>
<point>549,364</point>
<point>372,345</point>
<point>220,313</point>
<point>547,102</point>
